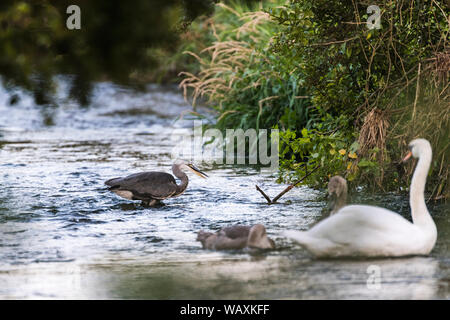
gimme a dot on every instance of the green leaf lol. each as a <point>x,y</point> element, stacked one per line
<point>305,132</point>
<point>366,163</point>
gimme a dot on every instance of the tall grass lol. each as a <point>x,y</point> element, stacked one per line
<point>427,116</point>
<point>247,84</point>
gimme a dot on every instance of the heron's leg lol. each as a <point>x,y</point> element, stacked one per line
<point>151,203</point>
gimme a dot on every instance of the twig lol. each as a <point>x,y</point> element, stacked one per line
<point>333,42</point>
<point>287,189</point>
<point>417,95</point>
<point>264,195</point>
<point>294,184</point>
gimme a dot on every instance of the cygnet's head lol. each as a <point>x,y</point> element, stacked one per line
<point>337,186</point>
<point>257,238</point>
<point>337,191</point>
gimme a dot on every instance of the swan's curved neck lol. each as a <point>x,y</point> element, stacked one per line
<point>182,176</point>
<point>419,211</point>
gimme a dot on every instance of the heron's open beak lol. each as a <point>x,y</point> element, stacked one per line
<point>197,171</point>
<point>408,155</point>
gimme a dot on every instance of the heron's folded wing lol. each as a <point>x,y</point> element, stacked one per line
<point>147,184</point>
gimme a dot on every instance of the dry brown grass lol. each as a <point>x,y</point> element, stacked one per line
<point>441,71</point>
<point>428,117</point>
<point>425,115</point>
<point>373,133</point>
<point>420,108</point>
<point>215,79</point>
<point>221,61</point>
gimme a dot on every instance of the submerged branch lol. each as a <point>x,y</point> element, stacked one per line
<point>274,200</point>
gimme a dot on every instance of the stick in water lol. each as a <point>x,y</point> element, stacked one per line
<point>264,195</point>
<point>287,189</point>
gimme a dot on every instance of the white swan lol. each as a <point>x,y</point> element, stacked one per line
<point>369,231</point>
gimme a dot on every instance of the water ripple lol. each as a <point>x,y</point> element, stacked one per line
<point>57,217</point>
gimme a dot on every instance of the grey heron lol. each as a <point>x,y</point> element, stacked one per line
<point>236,237</point>
<point>152,187</point>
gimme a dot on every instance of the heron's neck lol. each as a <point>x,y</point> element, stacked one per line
<point>419,211</point>
<point>182,176</point>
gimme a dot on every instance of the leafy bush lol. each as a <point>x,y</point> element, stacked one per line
<point>392,83</point>
<point>348,66</point>
<point>329,149</point>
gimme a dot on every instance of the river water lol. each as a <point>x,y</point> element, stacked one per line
<point>64,236</point>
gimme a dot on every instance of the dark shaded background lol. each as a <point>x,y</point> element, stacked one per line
<point>114,41</point>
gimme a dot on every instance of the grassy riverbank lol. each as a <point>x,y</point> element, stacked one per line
<point>345,97</point>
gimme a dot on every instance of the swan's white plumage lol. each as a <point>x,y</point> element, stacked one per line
<point>359,230</point>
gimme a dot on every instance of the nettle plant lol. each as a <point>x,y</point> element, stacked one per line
<point>328,148</point>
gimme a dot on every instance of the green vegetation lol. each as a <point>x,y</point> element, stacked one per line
<point>345,97</point>
<point>377,78</point>
<point>247,84</point>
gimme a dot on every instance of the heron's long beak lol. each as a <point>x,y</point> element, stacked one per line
<point>197,171</point>
<point>408,155</point>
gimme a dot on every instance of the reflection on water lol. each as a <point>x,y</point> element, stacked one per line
<point>64,236</point>
<point>228,277</point>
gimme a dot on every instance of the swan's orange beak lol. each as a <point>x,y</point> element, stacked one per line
<point>408,155</point>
